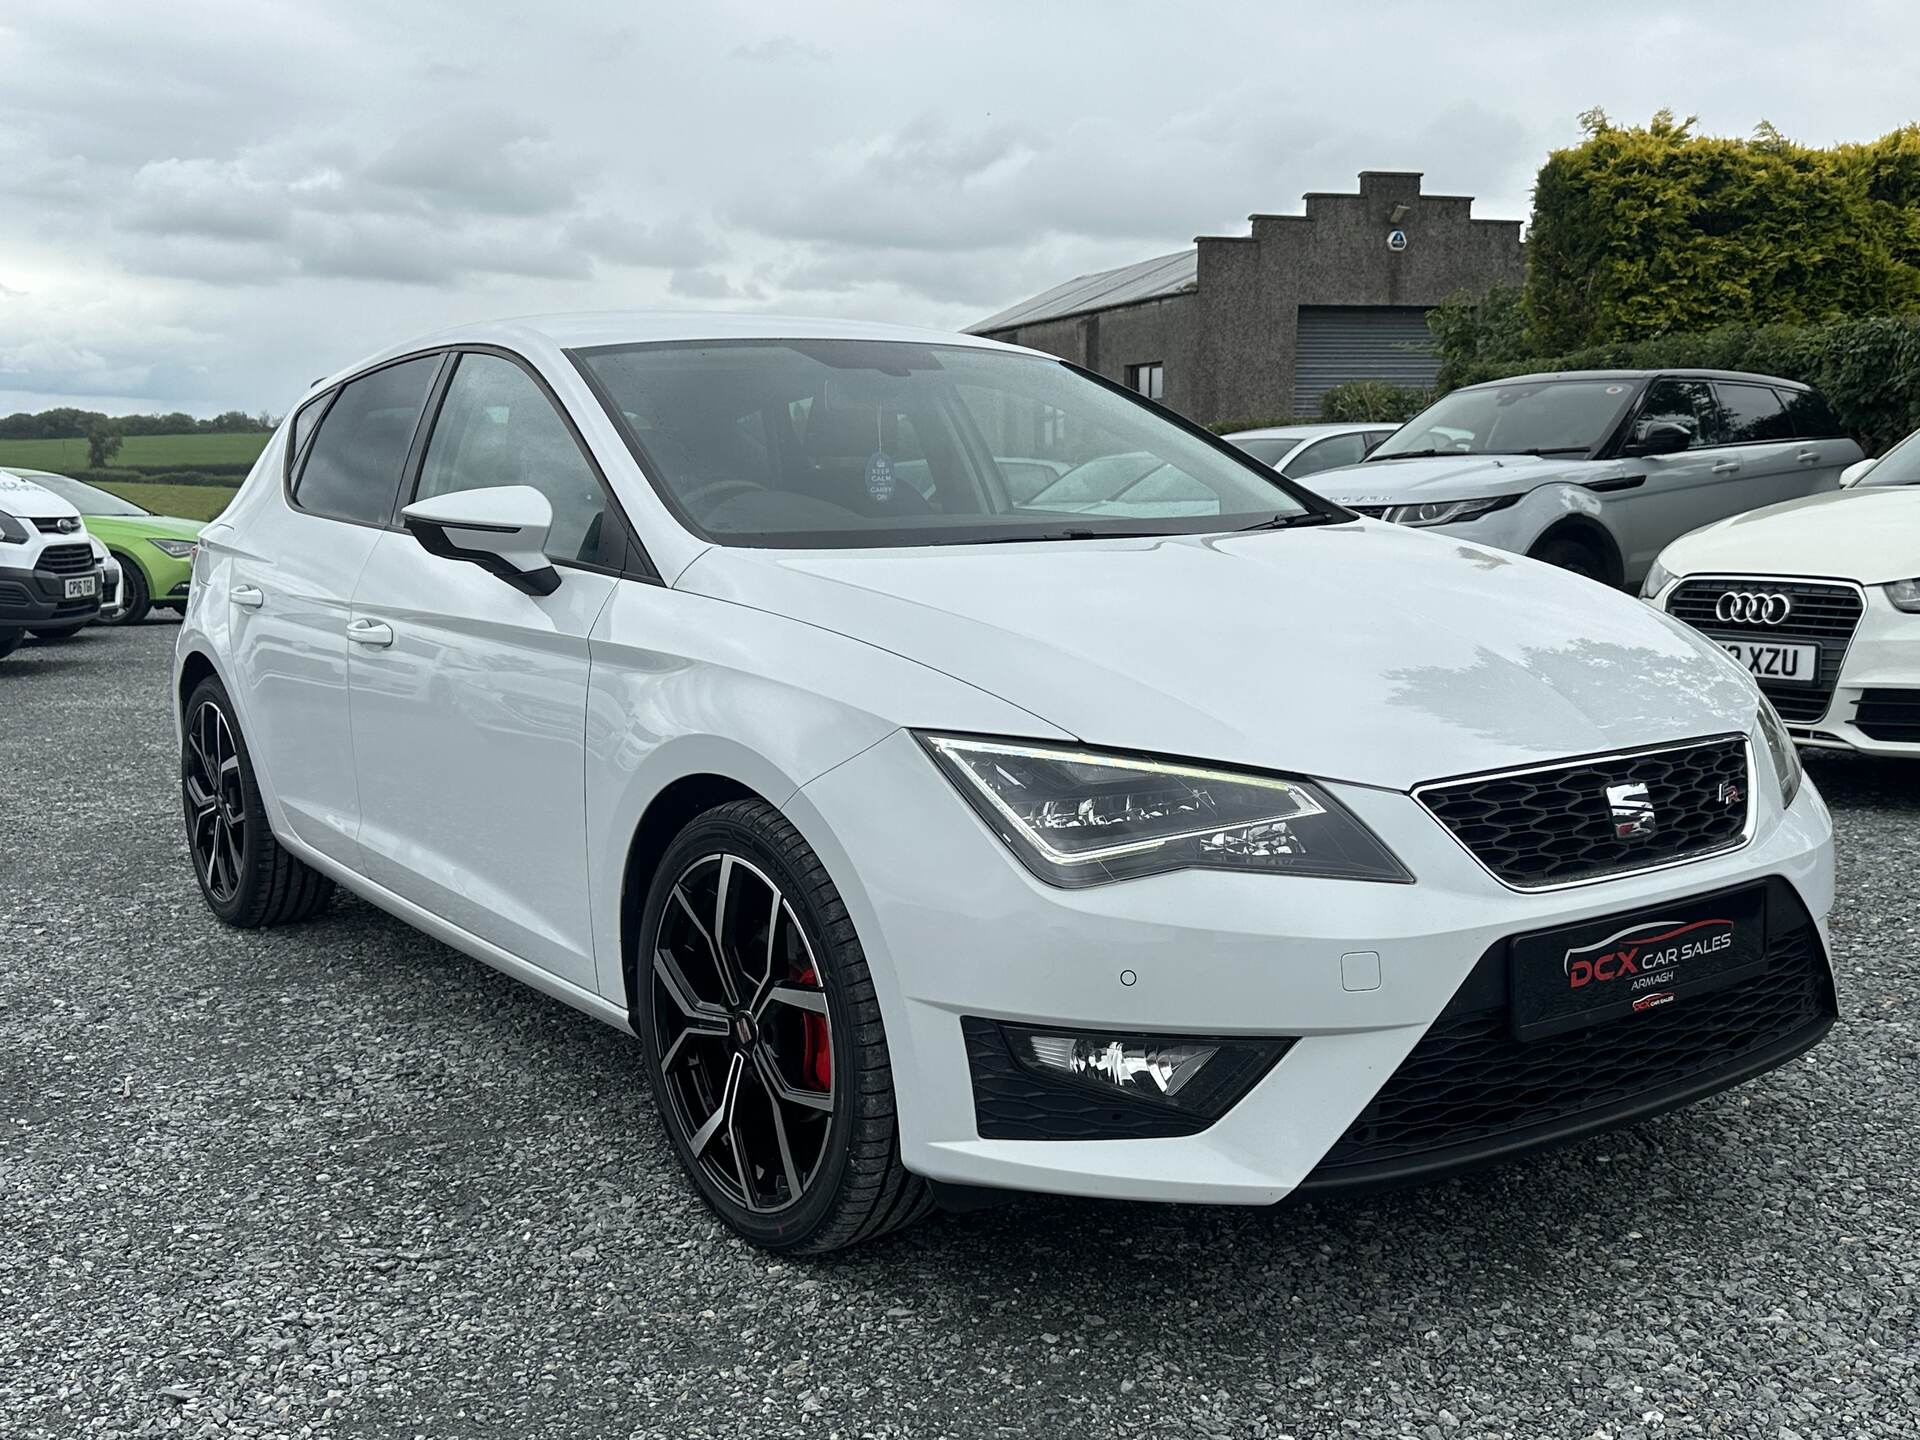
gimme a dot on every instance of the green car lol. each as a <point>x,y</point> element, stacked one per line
<point>155,551</point>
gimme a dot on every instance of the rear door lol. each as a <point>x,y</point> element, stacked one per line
<point>1822,450</point>
<point>290,586</point>
<point>1775,465</point>
<point>470,697</point>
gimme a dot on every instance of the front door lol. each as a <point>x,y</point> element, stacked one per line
<point>1680,491</point>
<point>470,697</point>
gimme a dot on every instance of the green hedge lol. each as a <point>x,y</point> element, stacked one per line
<point>1350,402</point>
<point>1649,230</point>
<point>225,476</point>
<point>1868,369</point>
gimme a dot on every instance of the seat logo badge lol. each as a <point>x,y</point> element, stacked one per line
<point>1751,607</point>
<point>1632,812</point>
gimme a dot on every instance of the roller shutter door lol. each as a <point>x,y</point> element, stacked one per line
<point>1359,342</point>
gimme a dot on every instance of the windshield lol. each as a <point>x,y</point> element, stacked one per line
<point>868,443</point>
<point>87,499</point>
<point>1899,466</point>
<point>1563,417</point>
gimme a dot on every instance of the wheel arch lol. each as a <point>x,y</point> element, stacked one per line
<point>1590,533</point>
<point>666,815</point>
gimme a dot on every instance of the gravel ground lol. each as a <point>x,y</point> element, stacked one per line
<point>339,1180</point>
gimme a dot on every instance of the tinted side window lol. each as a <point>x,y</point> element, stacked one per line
<point>353,467</point>
<point>497,427</point>
<point>1327,454</point>
<point>1810,415</point>
<point>1679,402</point>
<point>304,419</point>
<point>1751,413</point>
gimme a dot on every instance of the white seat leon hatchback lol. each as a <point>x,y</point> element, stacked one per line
<point>1202,841</point>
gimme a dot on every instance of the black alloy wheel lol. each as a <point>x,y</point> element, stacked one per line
<point>763,1038</point>
<point>247,878</point>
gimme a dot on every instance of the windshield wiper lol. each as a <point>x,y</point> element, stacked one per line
<point>1410,455</point>
<point>1544,450</point>
<point>1066,535</point>
<point>1289,522</point>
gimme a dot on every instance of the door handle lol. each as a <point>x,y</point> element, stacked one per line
<point>1808,457</point>
<point>369,632</point>
<point>251,596</point>
<point>1725,467</point>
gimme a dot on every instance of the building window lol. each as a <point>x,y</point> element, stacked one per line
<point>1147,380</point>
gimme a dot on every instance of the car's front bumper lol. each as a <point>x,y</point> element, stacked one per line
<point>954,927</point>
<point>32,597</point>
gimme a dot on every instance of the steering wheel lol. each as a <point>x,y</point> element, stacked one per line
<point>715,490</point>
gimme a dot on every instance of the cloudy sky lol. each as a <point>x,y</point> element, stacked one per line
<point>205,205</point>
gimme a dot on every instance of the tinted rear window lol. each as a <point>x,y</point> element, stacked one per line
<point>1750,414</point>
<point>1810,415</point>
<point>353,467</point>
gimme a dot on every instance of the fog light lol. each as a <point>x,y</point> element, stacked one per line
<point>1203,1075</point>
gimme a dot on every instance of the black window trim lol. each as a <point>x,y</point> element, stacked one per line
<point>1784,389</point>
<point>636,563</point>
<point>290,481</point>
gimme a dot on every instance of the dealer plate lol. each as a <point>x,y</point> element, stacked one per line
<point>1625,966</point>
<point>1788,664</point>
<point>80,587</point>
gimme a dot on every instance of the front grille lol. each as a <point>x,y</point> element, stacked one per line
<point>1889,715</point>
<point>76,609</point>
<point>65,560</point>
<point>1469,1084</point>
<point>1555,825</point>
<point>1823,615</point>
<point>11,594</point>
<point>1372,512</point>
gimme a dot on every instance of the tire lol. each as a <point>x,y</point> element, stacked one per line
<point>54,634</point>
<point>134,587</point>
<point>747,1098</point>
<point>248,880</point>
<point>1574,555</point>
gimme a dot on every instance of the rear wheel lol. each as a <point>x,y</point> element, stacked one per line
<point>134,584</point>
<point>1575,555</point>
<point>248,880</point>
<point>763,1038</point>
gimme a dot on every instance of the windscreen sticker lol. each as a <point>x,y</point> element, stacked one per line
<point>880,479</point>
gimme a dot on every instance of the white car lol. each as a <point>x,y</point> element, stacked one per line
<point>1298,451</point>
<point>50,577</point>
<point>1596,470</point>
<point>1820,598</point>
<point>938,844</point>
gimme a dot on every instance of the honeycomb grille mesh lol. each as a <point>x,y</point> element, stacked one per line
<point>1551,827</point>
<point>1469,1081</point>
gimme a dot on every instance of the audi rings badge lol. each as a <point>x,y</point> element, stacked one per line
<point>1752,607</point>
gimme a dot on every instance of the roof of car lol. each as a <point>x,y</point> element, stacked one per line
<point>1309,432</point>
<point>585,329</point>
<point>1678,374</point>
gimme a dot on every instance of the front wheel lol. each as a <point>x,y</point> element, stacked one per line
<point>248,879</point>
<point>10,641</point>
<point>1573,555</point>
<point>763,1038</point>
<point>133,593</point>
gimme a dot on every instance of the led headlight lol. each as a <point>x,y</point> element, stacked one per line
<point>1905,595</point>
<point>1786,759</point>
<point>1447,512</point>
<point>178,549</point>
<point>1658,578</point>
<point>1078,817</point>
<point>12,532</point>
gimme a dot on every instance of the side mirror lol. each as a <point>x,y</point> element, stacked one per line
<point>502,530</point>
<point>1659,437</point>
<point>1856,472</point>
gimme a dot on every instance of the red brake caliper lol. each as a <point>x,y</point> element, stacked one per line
<point>817,1057</point>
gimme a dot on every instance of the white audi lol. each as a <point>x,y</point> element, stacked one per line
<point>1218,844</point>
<point>1820,598</point>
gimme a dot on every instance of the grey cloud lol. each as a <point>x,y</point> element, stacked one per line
<point>684,241</point>
<point>702,285</point>
<point>206,198</point>
<point>483,163</point>
<point>779,48</point>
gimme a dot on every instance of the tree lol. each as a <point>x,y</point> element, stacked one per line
<point>103,442</point>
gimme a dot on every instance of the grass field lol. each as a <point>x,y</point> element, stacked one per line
<point>189,502</point>
<point>140,452</point>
